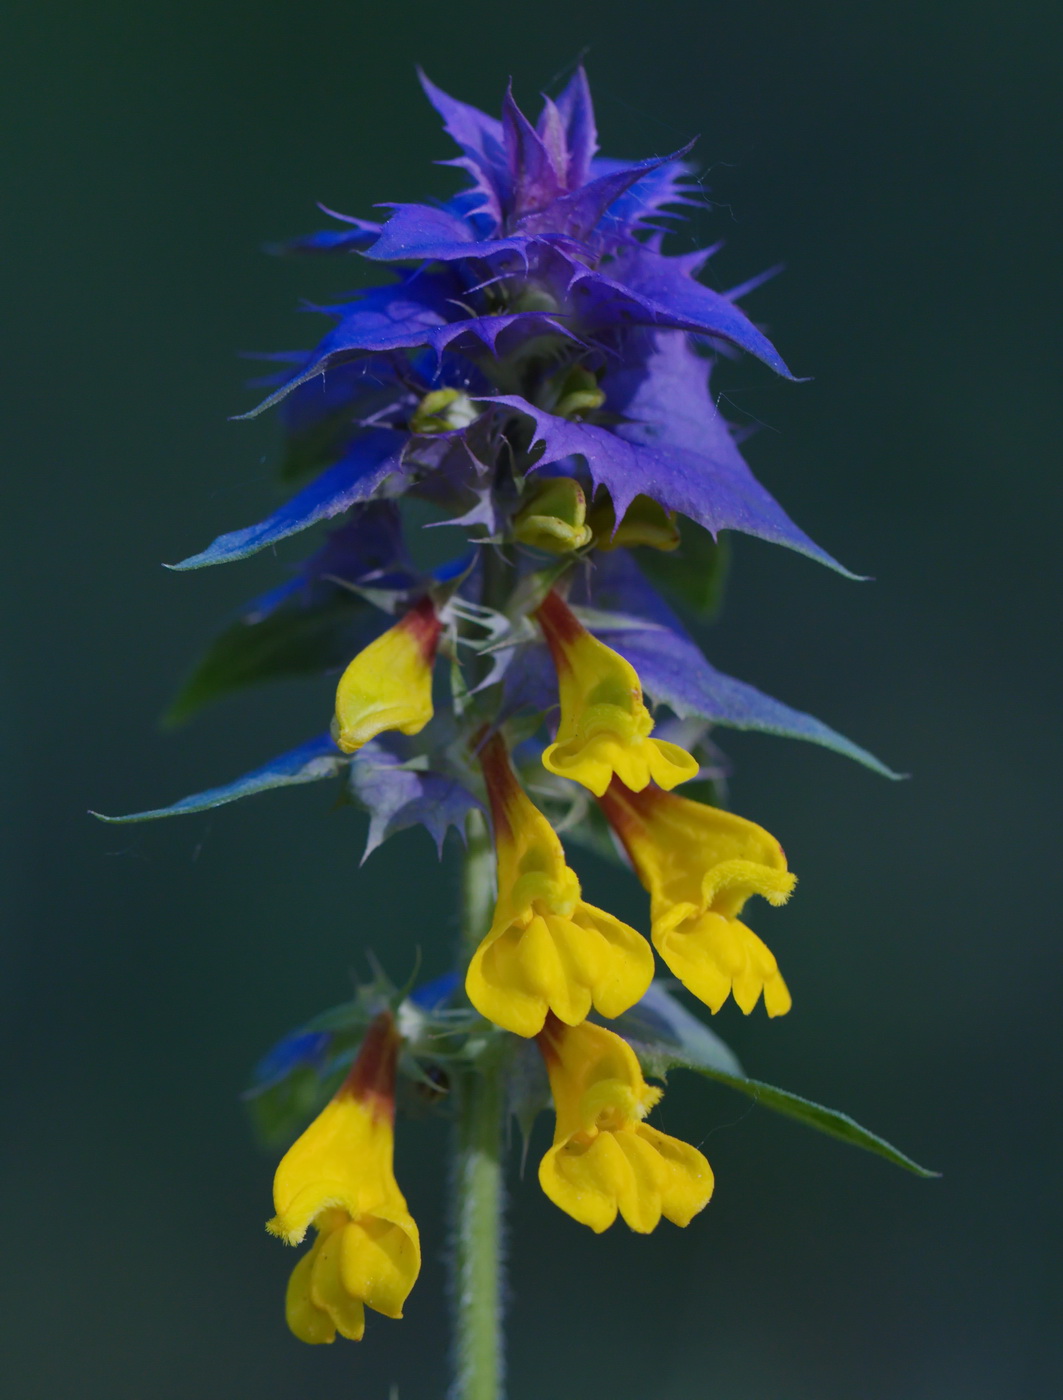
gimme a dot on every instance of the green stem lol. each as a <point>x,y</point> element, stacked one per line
<point>477,1181</point>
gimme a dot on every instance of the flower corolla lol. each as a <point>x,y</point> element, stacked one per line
<point>338,1177</point>
<point>605,1159</point>
<point>388,685</point>
<point>605,726</point>
<point>700,865</point>
<point>547,950</point>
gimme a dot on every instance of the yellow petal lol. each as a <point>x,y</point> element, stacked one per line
<point>713,956</point>
<point>547,950</point>
<point>380,1261</point>
<point>576,961</point>
<point>760,974</point>
<point>686,1179</point>
<point>604,1157</point>
<point>593,759</point>
<point>328,1293</point>
<point>727,885</point>
<point>700,866</point>
<point>669,764</point>
<point>595,1079</point>
<point>590,763</point>
<point>628,969</point>
<point>495,984</point>
<point>344,1158</point>
<point>305,1319</point>
<point>777,998</point>
<point>583,1180</point>
<point>686,851</point>
<point>558,964</point>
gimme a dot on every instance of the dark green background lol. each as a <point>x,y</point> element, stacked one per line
<point>897,157</point>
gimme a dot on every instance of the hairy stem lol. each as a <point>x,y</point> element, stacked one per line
<point>477,1178</point>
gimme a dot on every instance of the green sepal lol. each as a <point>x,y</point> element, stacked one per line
<point>696,573</point>
<point>527,1088</point>
<point>666,1036</point>
<point>293,640</point>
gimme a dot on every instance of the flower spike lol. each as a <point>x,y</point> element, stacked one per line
<point>546,949</point>
<point>388,685</point>
<point>605,726</point>
<point>532,371</point>
<point>338,1177</point>
<point>700,865</point>
<point>604,1158</point>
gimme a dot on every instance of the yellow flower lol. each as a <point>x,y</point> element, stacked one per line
<point>605,726</point>
<point>700,865</point>
<point>546,949</point>
<point>388,685</point>
<point>339,1178</point>
<point>604,1157</point>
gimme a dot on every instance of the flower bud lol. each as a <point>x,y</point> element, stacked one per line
<point>554,517</point>
<point>388,685</point>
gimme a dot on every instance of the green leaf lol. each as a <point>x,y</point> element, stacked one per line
<point>294,640</point>
<point>665,1035</point>
<point>814,1115</point>
<point>696,573</point>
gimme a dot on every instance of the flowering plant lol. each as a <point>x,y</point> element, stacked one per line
<point>539,378</point>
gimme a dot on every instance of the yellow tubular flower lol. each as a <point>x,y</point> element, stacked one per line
<point>700,865</point>
<point>604,1157</point>
<point>388,685</point>
<point>339,1178</point>
<point>546,949</point>
<point>605,727</point>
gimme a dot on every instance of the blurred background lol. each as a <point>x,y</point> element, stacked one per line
<point>897,158</point>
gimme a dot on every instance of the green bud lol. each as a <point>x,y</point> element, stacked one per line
<point>578,392</point>
<point>536,299</point>
<point>645,522</point>
<point>443,411</point>
<point>554,517</point>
